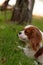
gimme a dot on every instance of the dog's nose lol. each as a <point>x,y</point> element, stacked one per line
<point>19,33</point>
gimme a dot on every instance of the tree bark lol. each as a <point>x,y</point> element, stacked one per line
<point>30,8</point>
<point>22,11</point>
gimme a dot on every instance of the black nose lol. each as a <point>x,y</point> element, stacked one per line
<point>19,33</point>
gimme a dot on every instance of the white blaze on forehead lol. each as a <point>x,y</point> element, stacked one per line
<point>22,35</point>
<point>28,26</point>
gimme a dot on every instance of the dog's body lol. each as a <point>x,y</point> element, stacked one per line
<point>34,48</point>
<point>30,53</point>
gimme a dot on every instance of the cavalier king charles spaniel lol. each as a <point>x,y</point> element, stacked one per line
<point>33,37</point>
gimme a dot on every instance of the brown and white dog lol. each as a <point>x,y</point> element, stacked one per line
<point>33,37</point>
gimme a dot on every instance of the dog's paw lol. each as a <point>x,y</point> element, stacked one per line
<point>35,62</point>
<point>20,47</point>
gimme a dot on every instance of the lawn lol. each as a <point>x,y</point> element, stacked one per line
<point>9,53</point>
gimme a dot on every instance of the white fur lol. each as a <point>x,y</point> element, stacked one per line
<point>42,34</point>
<point>27,26</point>
<point>22,36</point>
<point>28,51</point>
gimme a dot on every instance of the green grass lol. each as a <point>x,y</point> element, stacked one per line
<point>9,53</point>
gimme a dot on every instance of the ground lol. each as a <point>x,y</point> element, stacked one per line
<point>9,53</point>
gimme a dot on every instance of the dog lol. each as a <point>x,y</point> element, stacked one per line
<point>33,37</point>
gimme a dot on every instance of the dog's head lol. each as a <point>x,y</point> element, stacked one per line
<point>31,34</point>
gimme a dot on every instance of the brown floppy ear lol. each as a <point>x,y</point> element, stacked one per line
<point>33,44</point>
<point>34,36</point>
<point>29,32</point>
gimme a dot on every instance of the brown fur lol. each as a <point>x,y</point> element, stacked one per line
<point>39,52</point>
<point>34,36</point>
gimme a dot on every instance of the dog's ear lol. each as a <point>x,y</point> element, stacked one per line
<point>34,36</point>
<point>38,53</point>
<point>29,32</point>
<point>33,44</point>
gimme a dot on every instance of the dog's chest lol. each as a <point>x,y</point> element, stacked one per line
<point>29,52</point>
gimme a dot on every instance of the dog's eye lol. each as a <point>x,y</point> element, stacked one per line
<point>26,32</point>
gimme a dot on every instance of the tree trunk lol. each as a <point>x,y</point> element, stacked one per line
<point>16,11</point>
<point>30,8</point>
<point>22,11</point>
